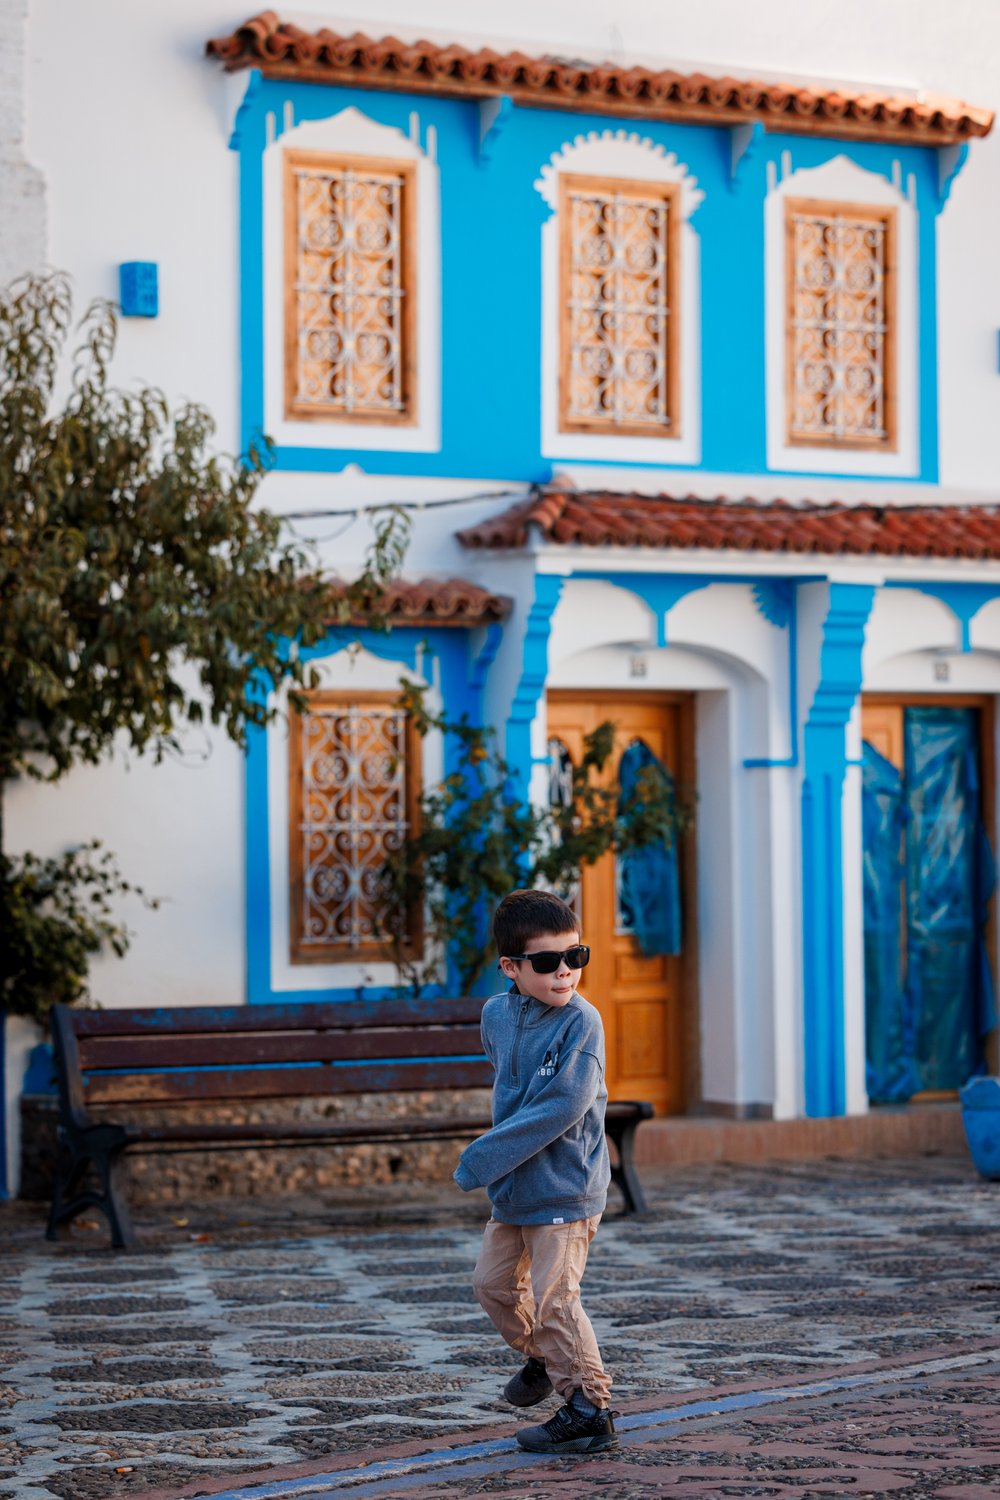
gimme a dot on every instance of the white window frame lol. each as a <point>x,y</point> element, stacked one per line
<point>351,133</point>
<point>630,157</point>
<point>349,672</point>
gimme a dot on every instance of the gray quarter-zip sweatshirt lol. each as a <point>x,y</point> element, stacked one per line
<point>546,1159</point>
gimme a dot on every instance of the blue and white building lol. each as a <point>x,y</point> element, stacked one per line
<point>688,381</point>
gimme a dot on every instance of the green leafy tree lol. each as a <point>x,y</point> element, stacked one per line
<point>141,590</point>
<point>475,840</point>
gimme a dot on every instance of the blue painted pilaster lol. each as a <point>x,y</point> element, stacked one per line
<point>825,755</point>
<point>479,669</point>
<point>534,671</point>
<point>258,869</point>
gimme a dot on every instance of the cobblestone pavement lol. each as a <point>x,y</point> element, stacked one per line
<point>343,1331</point>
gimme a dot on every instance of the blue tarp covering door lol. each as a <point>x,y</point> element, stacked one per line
<point>928,878</point>
<point>648,878</point>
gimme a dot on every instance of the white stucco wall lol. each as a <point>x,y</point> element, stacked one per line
<point>177,830</point>
<point>22,185</point>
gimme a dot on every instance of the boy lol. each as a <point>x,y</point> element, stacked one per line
<point>545,1166</point>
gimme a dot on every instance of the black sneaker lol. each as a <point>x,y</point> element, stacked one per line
<point>569,1432</point>
<point>529,1385</point>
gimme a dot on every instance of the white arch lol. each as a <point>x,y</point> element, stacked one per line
<point>618,153</point>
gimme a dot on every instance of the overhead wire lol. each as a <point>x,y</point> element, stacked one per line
<point>353,513</point>
<point>331,536</point>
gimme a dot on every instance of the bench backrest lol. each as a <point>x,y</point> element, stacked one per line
<point>214,1053</point>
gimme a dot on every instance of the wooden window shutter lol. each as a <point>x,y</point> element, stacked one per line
<point>619,314</point>
<point>840,324</point>
<point>354,779</point>
<point>350,288</point>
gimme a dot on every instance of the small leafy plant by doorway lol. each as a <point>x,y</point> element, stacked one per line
<point>477,837</point>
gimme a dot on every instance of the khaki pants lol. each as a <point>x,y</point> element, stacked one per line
<point>527,1278</point>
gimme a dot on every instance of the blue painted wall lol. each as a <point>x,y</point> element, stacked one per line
<point>491,220</point>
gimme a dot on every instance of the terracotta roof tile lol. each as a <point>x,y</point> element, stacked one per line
<point>437,601</point>
<point>601,518</point>
<point>282,50</point>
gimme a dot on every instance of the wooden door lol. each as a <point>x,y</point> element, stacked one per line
<point>641,999</point>
<point>882,727</point>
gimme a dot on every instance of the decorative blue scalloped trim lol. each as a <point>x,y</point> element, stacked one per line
<point>965,600</point>
<point>951,160</point>
<point>775,598</point>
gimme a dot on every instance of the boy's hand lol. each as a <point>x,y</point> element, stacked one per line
<point>466,1179</point>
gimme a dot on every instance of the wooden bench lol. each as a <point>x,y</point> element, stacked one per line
<point>201,1055</point>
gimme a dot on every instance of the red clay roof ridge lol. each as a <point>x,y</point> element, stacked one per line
<point>756,503</point>
<point>831,528</point>
<point>282,49</point>
<point>445,601</point>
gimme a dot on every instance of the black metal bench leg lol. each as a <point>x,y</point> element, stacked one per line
<point>103,1148</point>
<point>68,1173</point>
<point>624,1174</point>
<point>111,1167</point>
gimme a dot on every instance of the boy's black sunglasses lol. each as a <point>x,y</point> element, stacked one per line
<point>547,962</point>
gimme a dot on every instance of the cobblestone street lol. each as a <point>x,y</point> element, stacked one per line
<point>812,1329</point>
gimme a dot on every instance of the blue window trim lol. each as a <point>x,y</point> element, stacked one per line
<point>932,183</point>
<point>460,680</point>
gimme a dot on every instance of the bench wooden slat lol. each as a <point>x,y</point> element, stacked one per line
<point>151,1051</point>
<point>410,1126</point>
<point>283,1083</point>
<point>276,1131</point>
<point>309,1016</point>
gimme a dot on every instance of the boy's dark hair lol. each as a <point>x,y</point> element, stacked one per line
<point>524,915</point>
